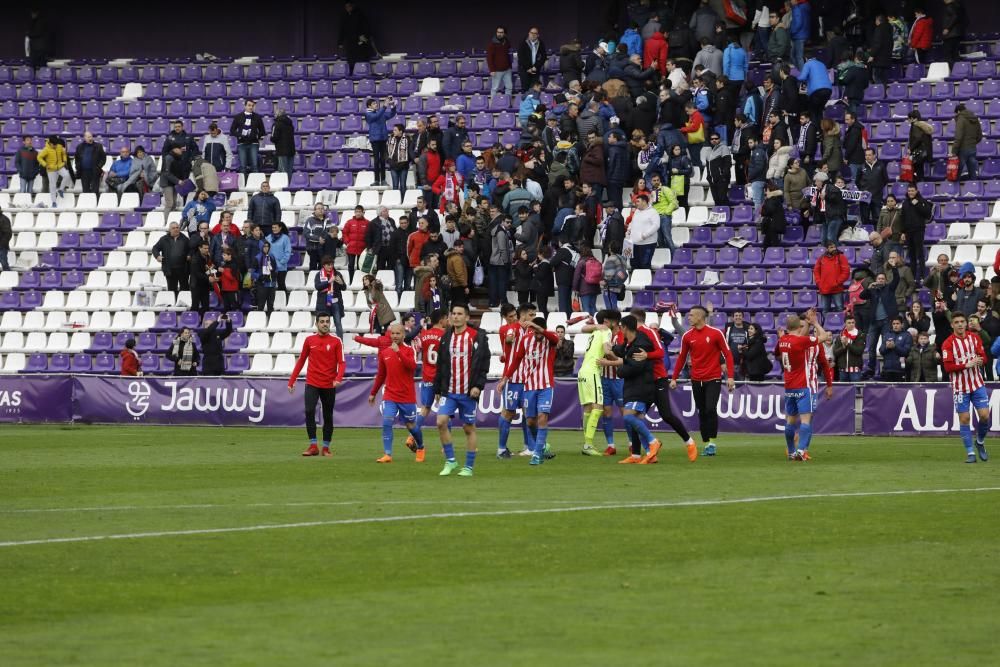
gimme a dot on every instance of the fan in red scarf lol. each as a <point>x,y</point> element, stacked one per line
<point>449,186</point>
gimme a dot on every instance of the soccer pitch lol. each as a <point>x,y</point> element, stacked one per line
<point>207,546</point>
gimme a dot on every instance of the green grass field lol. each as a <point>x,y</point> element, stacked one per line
<point>744,559</point>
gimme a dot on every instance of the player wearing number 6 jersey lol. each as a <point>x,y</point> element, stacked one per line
<point>793,352</point>
<point>535,356</point>
<point>396,364</point>
<point>963,355</point>
<point>425,346</point>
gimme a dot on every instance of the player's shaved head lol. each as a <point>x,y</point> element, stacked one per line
<point>639,313</point>
<point>793,323</point>
<point>397,333</point>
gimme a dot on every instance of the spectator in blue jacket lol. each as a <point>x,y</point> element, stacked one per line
<point>818,87</point>
<point>378,133</point>
<point>632,40</point>
<point>532,98</point>
<point>281,251</point>
<point>799,32</point>
<point>895,348</point>
<point>199,209</point>
<point>734,65</point>
<point>616,170</point>
<point>120,169</point>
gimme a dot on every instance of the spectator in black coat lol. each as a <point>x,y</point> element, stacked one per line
<point>89,162</point>
<point>453,137</point>
<point>755,358</point>
<point>171,251</point>
<point>355,36</point>
<point>635,76</point>
<point>543,284</point>
<point>614,227</point>
<point>213,340</point>
<point>530,59</point>
<point>880,58</point>
<point>264,209</point>
<point>248,128</point>
<point>283,137</point>
<point>872,178</point>
<point>788,96</point>
<point>917,213</point>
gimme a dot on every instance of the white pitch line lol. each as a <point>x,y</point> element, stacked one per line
<point>321,503</point>
<point>459,515</point>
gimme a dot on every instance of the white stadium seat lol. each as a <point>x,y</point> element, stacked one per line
<point>302,320</point>
<point>99,321</point>
<point>55,321</point>
<point>54,300</point>
<point>281,342</point>
<point>14,363</point>
<point>11,320</point>
<point>279,321</point>
<point>13,341</point>
<point>258,341</point>
<point>35,341</point>
<point>283,364</point>
<point>99,300</point>
<point>262,364</point>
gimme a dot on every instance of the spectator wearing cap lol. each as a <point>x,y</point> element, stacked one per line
<point>215,148</point>
<point>595,66</point>
<point>612,227</point>
<point>499,63</point>
<point>248,128</point>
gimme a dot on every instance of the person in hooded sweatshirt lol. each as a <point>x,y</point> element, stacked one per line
<point>655,49</point>
<point>708,57</point>
<point>215,148</point>
<point>143,175</point>
<point>632,40</point>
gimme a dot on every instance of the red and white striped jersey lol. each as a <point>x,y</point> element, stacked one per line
<point>815,361</point>
<point>611,372</point>
<point>426,345</point>
<point>955,354</point>
<point>508,349</point>
<point>536,359</point>
<point>462,352</point>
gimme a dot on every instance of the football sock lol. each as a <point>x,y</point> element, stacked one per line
<point>470,459</point>
<point>639,427</point>
<point>449,451</point>
<point>593,417</point>
<point>418,435</point>
<point>982,428</point>
<point>966,431</point>
<point>312,441</point>
<point>540,441</point>
<point>387,435</point>
<point>504,425</point>
<point>790,437</point>
<point>326,444</point>
<point>419,421</point>
<point>529,440</point>
<point>609,430</point>
<point>805,435</point>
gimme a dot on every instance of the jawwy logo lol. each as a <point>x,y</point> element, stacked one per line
<point>139,403</point>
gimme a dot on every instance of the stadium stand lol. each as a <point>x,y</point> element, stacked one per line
<point>83,279</point>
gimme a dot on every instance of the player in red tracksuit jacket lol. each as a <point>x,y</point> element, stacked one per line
<point>325,354</point>
<point>426,345</point>
<point>396,365</point>
<point>706,345</point>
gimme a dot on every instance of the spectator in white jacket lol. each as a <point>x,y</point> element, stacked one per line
<point>643,233</point>
<point>216,150</point>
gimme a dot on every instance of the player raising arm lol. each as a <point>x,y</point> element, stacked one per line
<point>793,353</point>
<point>396,365</point>
<point>325,354</point>
<point>963,355</point>
<point>536,357</point>
<point>426,345</point>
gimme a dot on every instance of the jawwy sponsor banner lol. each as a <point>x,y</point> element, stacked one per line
<point>35,399</point>
<point>760,409</point>
<point>916,409</point>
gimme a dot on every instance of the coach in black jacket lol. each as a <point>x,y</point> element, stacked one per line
<point>638,375</point>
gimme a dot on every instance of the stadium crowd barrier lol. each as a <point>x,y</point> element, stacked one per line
<point>885,409</point>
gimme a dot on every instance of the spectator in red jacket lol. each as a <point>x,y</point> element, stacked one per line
<point>655,48</point>
<point>226,219</point>
<point>830,273</point>
<point>131,364</point>
<point>499,63</point>
<point>354,239</point>
<point>415,243</point>
<point>921,35</point>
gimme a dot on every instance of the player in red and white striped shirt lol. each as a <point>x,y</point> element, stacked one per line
<point>535,359</point>
<point>463,362</point>
<point>963,356</point>
<point>511,397</point>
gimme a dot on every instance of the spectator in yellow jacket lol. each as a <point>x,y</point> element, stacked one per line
<point>53,159</point>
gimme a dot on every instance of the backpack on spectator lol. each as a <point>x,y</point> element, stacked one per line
<point>593,271</point>
<point>615,273</point>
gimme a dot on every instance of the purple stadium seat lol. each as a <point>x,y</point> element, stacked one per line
<point>754,276</point>
<point>793,235</point>
<point>813,235</point>
<point>721,235</point>
<point>735,300</point>
<point>986,149</point>
<point>30,280</point>
<point>961,70</point>
<point>59,363</point>
<point>354,364</point>
<point>688,300</point>
<point>685,277</point>
<point>772,257</point>
<point>977,210</point>
<point>10,301</point>
<point>874,93</point>
<point>37,363</point>
<point>408,87</point>
<point>662,278</point>
<point>805,299</point>
<point>781,300</point>
<point>758,300</point>
<point>681,258</point>
<point>990,169</point>
<point>895,92</point>
<point>237,363</point>
<point>752,256</point>
<point>165,340</point>
<point>801,277</point>
<point>833,321</point>
<point>942,90</point>
<point>950,211</point>
<point>727,256</point>
<point>797,256</point>
<point>236,341</point>
<point>70,260</point>
<point>701,236</point>
<point>81,363</point>
<point>644,299</point>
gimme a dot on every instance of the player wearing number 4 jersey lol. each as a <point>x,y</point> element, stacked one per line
<point>794,353</point>
<point>396,365</point>
<point>535,356</point>
<point>425,346</point>
<point>963,355</point>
